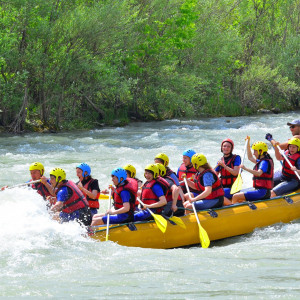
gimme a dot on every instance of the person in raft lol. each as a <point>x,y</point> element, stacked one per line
<point>131,172</point>
<point>71,204</point>
<point>89,186</point>
<point>186,168</point>
<point>173,199</point>
<point>162,158</point>
<point>124,196</point>
<point>43,187</point>
<point>152,194</point>
<point>288,182</point>
<point>207,183</point>
<point>228,168</point>
<point>263,172</point>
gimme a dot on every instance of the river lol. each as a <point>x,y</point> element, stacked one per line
<point>41,258</point>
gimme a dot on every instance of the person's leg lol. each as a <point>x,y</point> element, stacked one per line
<point>285,187</point>
<point>238,197</point>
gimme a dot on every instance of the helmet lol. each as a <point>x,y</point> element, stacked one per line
<point>58,173</point>
<point>260,147</point>
<point>189,153</point>
<point>161,170</point>
<point>228,141</point>
<point>37,166</point>
<point>164,158</point>
<point>294,141</point>
<point>120,173</point>
<point>131,169</point>
<point>198,160</point>
<point>85,168</point>
<point>154,169</point>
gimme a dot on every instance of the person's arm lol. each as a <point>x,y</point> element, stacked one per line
<point>263,167</point>
<point>207,191</point>
<point>175,193</point>
<point>62,196</point>
<point>251,157</point>
<point>125,196</point>
<point>277,153</point>
<point>47,184</point>
<point>158,191</point>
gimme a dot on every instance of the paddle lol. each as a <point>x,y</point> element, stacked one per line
<point>160,221</point>
<point>108,215</point>
<point>287,160</point>
<point>176,220</point>
<point>238,184</point>
<point>203,236</point>
<point>103,197</point>
<point>21,184</point>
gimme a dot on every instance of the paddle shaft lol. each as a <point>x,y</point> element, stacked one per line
<point>23,184</point>
<point>244,154</point>
<point>108,216</point>
<point>287,160</point>
<point>152,213</point>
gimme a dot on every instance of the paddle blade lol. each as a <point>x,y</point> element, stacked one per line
<point>237,185</point>
<point>178,221</point>
<point>161,222</point>
<point>204,239</point>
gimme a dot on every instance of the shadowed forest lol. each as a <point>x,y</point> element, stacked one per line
<point>69,64</point>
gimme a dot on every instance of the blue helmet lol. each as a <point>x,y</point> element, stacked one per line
<point>120,173</point>
<point>85,168</point>
<point>189,153</point>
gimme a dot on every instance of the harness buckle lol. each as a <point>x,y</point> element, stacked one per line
<point>212,213</point>
<point>251,205</point>
<point>131,226</point>
<point>288,199</point>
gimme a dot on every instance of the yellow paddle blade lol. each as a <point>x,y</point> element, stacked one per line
<point>161,222</point>
<point>103,197</point>
<point>178,221</point>
<point>237,185</point>
<point>204,239</point>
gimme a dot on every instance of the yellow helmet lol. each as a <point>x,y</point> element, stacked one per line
<point>37,166</point>
<point>153,168</point>
<point>198,160</point>
<point>161,169</point>
<point>260,147</point>
<point>294,141</point>
<point>131,169</point>
<point>59,174</point>
<point>164,157</point>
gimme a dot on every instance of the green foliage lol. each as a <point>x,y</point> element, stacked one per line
<point>83,63</point>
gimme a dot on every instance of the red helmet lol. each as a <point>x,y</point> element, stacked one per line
<point>229,141</point>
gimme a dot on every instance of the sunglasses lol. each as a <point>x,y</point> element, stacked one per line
<point>292,126</point>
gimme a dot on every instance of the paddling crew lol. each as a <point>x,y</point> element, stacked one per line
<point>131,172</point>
<point>71,204</point>
<point>162,158</point>
<point>263,172</point>
<point>295,130</point>
<point>44,187</point>
<point>207,183</point>
<point>228,167</point>
<point>153,194</point>
<point>186,168</point>
<point>288,182</point>
<point>172,196</point>
<point>124,197</point>
<point>89,186</point>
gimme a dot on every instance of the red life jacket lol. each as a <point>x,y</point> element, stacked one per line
<point>188,171</point>
<point>265,181</point>
<point>148,196</point>
<point>41,189</point>
<point>93,203</point>
<point>130,185</point>
<point>169,172</point>
<point>286,169</point>
<point>227,179</point>
<point>217,189</point>
<point>169,192</point>
<point>76,199</point>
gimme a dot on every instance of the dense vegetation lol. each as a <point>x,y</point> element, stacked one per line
<point>81,63</point>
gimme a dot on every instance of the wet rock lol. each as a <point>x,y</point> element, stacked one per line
<point>264,111</point>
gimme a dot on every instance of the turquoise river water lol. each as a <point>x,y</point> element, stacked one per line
<point>41,258</point>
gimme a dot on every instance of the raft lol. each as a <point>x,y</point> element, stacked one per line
<point>219,223</point>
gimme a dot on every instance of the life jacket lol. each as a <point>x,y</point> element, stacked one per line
<point>169,172</point>
<point>286,169</point>
<point>93,203</point>
<point>188,171</point>
<point>130,185</point>
<point>265,181</point>
<point>41,189</point>
<point>217,189</point>
<point>137,183</point>
<point>169,192</point>
<point>227,179</point>
<point>148,196</point>
<point>76,198</point>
